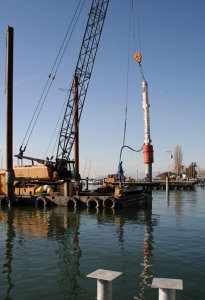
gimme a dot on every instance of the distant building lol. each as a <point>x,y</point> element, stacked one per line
<point>161,176</point>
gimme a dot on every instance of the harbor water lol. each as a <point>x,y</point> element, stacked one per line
<point>46,253</point>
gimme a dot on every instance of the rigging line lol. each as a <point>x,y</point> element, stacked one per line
<point>43,72</point>
<point>56,143</point>
<point>57,137</point>
<point>54,76</point>
<point>51,139</point>
<point>138,22</point>
<point>134,167</point>
<point>70,37</point>
<point>39,112</point>
<point>65,101</point>
<point>141,71</point>
<point>34,113</point>
<point>50,74</point>
<point>85,168</point>
<point>61,59</point>
<point>89,168</point>
<point>138,18</point>
<point>133,26</point>
<point>61,112</point>
<point>67,34</point>
<point>128,60</point>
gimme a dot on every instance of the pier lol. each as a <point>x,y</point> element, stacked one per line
<point>174,185</point>
<point>106,196</point>
<point>161,185</point>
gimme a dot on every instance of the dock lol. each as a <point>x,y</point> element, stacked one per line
<point>174,185</point>
<point>161,184</point>
<point>109,196</point>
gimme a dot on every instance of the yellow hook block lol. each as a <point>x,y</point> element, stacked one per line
<point>138,57</point>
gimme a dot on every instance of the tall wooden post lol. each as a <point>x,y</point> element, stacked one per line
<point>76,142</point>
<point>9,115</point>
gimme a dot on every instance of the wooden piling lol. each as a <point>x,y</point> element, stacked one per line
<point>9,115</point>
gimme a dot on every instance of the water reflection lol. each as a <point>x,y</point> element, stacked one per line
<point>69,254</point>
<point>59,225</point>
<point>10,235</point>
<point>168,199</point>
<point>178,202</point>
<point>62,227</point>
<point>142,217</point>
<point>148,246</point>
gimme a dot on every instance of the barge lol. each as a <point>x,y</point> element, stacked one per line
<point>106,196</point>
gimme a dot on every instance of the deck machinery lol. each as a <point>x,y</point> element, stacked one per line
<point>63,169</point>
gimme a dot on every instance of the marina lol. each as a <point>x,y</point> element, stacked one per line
<point>100,201</point>
<point>105,196</point>
<point>46,253</point>
<point>25,183</point>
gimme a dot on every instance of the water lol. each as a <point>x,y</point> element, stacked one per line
<point>47,253</point>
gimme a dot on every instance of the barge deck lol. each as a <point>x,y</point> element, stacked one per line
<point>105,197</point>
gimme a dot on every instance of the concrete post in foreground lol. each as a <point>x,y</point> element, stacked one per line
<point>167,287</point>
<point>104,283</point>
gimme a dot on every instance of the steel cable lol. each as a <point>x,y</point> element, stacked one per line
<point>131,5</point>
<point>55,73</point>
<point>51,73</point>
<point>128,62</point>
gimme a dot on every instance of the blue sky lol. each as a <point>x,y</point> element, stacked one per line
<point>173,49</point>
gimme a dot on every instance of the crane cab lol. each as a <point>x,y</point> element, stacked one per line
<point>66,169</point>
<point>71,168</point>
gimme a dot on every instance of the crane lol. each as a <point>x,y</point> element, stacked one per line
<point>63,166</point>
<point>30,180</point>
<point>83,72</point>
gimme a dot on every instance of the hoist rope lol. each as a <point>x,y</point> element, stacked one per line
<point>59,118</point>
<point>138,23</point>
<point>133,23</point>
<point>128,63</point>
<point>131,5</point>
<point>53,77</point>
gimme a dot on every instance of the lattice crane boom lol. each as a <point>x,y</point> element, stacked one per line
<point>83,71</point>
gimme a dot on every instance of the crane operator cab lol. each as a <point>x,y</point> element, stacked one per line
<point>66,169</point>
<point>71,168</point>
